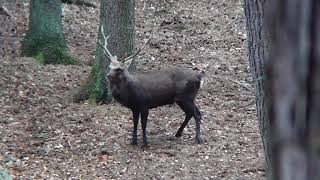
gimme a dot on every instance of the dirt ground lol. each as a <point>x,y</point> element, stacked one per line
<point>43,137</point>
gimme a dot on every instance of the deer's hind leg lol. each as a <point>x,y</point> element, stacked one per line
<point>136,115</point>
<point>198,117</point>
<point>183,125</point>
<point>144,120</point>
<point>191,110</point>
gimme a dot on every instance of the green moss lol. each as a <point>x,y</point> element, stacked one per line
<point>57,55</point>
<point>33,44</point>
<point>92,100</point>
<point>50,51</point>
<point>40,58</point>
<point>94,89</point>
<point>45,39</point>
<point>97,86</point>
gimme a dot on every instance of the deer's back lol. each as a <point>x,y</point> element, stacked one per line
<point>165,86</point>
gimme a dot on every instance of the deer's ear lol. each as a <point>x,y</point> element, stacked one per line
<point>127,63</point>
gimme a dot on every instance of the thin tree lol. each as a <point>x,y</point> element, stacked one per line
<point>45,39</point>
<point>258,47</point>
<point>117,19</point>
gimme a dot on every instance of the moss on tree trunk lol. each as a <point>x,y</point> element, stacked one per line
<point>117,18</point>
<point>45,39</point>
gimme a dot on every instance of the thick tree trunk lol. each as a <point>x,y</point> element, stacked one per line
<point>258,51</point>
<point>117,18</point>
<point>45,39</point>
<point>293,84</point>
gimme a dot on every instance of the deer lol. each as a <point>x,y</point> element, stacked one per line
<point>142,91</point>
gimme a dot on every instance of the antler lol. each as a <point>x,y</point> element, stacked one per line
<point>145,44</point>
<point>139,50</point>
<point>109,55</point>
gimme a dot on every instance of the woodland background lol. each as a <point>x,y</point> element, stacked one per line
<point>43,136</point>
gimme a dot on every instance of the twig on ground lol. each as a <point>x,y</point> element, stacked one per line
<point>5,11</point>
<point>80,3</point>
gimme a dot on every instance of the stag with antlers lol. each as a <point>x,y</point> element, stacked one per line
<point>141,91</point>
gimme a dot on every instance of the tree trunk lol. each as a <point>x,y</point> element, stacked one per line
<point>293,84</point>
<point>258,51</point>
<point>117,19</point>
<point>45,39</point>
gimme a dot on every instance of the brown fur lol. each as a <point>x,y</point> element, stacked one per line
<point>142,91</point>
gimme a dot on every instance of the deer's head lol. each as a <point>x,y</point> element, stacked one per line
<point>118,70</point>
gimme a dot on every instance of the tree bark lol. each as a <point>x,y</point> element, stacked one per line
<point>45,39</point>
<point>117,19</point>
<point>258,46</point>
<point>293,83</point>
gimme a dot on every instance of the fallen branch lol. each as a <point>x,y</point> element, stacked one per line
<point>5,11</point>
<point>80,3</point>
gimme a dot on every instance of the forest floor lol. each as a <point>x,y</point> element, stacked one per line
<point>44,137</point>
